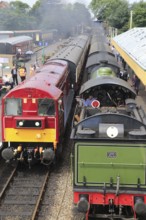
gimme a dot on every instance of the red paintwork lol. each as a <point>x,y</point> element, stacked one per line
<point>97,198</point>
<point>51,81</point>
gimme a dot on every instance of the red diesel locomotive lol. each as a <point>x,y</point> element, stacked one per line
<point>33,118</point>
<point>35,113</point>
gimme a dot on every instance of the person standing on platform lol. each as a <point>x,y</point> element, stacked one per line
<point>124,64</point>
<point>136,83</point>
<point>22,73</point>
<point>14,75</point>
<point>7,81</point>
<point>31,70</point>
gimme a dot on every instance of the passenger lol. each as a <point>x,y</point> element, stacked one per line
<point>124,75</point>
<point>117,55</point>
<point>32,69</point>
<point>136,83</point>
<point>123,63</point>
<point>14,75</point>
<point>7,82</point>
<point>22,73</point>
<point>113,49</point>
<point>88,101</point>
<point>19,53</point>
<point>79,100</point>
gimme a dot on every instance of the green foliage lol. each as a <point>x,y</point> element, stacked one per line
<point>45,15</point>
<point>15,21</point>
<point>66,18</point>
<point>19,6</point>
<point>19,17</point>
<point>71,18</point>
<point>139,14</point>
<point>115,12</point>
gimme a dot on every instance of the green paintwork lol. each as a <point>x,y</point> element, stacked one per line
<point>103,71</point>
<point>126,161</point>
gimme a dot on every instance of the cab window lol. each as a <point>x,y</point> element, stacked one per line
<point>13,106</point>
<point>46,107</point>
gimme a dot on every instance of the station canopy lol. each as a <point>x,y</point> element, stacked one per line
<point>15,40</point>
<point>132,47</point>
<point>134,43</point>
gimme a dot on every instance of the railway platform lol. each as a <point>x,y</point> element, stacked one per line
<point>141,98</point>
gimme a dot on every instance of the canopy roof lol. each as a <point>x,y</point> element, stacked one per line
<point>133,42</point>
<point>15,40</point>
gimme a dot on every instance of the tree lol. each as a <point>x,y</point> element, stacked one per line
<point>19,6</point>
<point>139,12</point>
<point>62,17</point>
<point>18,18</point>
<point>115,12</point>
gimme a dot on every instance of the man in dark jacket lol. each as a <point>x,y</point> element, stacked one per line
<point>14,75</point>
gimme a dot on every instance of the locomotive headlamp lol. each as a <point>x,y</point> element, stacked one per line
<point>37,123</point>
<point>19,148</point>
<point>112,132</point>
<point>20,123</point>
<point>38,136</point>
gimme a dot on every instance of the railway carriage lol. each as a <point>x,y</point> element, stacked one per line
<point>75,54</point>
<point>35,113</point>
<point>109,154</point>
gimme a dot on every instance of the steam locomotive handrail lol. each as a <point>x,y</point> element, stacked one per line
<point>132,128</point>
<point>111,164</point>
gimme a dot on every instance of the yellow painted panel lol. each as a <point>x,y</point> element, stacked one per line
<point>26,135</point>
<point>141,73</point>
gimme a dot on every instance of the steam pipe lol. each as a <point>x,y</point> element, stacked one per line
<point>118,185</point>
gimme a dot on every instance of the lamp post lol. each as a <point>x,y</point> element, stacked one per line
<point>131,19</point>
<point>43,52</point>
<point>1,66</point>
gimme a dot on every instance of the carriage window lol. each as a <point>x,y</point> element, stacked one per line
<point>13,106</point>
<point>46,107</point>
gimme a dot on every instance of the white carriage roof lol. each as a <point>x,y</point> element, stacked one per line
<point>133,42</point>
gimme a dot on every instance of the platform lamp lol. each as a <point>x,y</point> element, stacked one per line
<point>43,52</point>
<point>131,19</point>
<point>1,66</point>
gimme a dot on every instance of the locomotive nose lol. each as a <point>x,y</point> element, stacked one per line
<point>7,154</point>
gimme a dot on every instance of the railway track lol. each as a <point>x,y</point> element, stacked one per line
<point>21,192</point>
<point>36,193</point>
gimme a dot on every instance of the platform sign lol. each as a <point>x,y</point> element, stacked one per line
<point>40,43</point>
<point>4,60</point>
